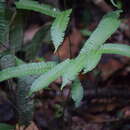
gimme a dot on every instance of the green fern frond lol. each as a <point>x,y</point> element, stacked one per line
<point>76,65</point>
<point>59,26</point>
<point>92,61</point>
<point>36,6</point>
<point>26,69</point>
<point>77,92</point>
<point>89,56</point>
<point>105,29</point>
<point>110,48</point>
<point>44,80</point>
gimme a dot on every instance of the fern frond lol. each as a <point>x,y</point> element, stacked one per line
<point>76,65</point>
<point>36,6</point>
<point>105,29</point>
<point>77,92</point>
<point>117,5</point>
<point>58,28</point>
<point>44,80</point>
<point>110,48</point>
<point>26,69</point>
<point>92,61</point>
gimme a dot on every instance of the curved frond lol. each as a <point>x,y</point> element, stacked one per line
<point>117,5</point>
<point>58,28</point>
<point>38,7</point>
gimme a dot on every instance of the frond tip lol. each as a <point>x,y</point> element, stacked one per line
<point>25,69</point>
<point>59,26</point>
<point>77,92</point>
<point>116,48</point>
<point>35,6</point>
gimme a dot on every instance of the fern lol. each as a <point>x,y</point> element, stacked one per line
<point>119,49</point>
<point>76,65</point>
<point>77,92</point>
<point>88,57</point>
<point>58,28</point>
<point>117,5</point>
<point>44,80</point>
<point>92,61</point>
<point>25,69</point>
<point>36,6</point>
<point>60,24</point>
<point>105,29</point>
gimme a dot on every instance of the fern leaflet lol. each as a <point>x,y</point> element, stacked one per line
<point>25,69</point>
<point>105,29</point>
<point>115,48</point>
<point>77,92</point>
<point>59,26</point>
<point>36,6</point>
<point>44,80</point>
